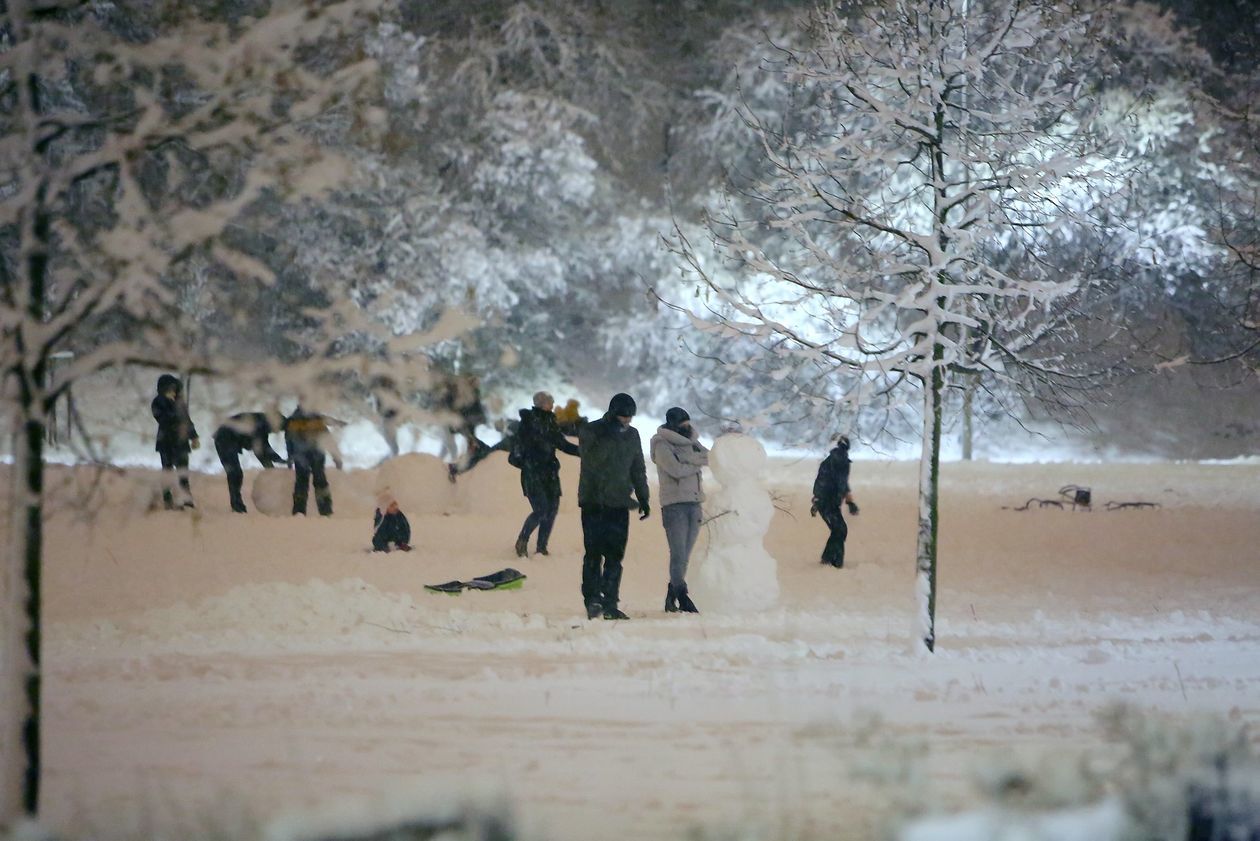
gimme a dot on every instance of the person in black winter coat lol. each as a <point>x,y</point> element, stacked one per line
<point>390,529</point>
<point>537,439</point>
<point>308,442</point>
<point>176,436</point>
<point>612,467</point>
<point>831,490</point>
<point>245,431</point>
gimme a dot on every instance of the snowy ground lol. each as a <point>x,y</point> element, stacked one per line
<point>210,670</point>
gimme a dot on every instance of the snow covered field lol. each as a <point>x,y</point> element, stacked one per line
<point>210,671</point>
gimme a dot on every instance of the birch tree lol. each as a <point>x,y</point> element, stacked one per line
<point>120,158</point>
<point>932,156</point>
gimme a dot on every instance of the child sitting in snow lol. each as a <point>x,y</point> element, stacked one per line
<point>392,531</point>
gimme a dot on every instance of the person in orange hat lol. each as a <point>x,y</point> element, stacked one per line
<point>390,527</point>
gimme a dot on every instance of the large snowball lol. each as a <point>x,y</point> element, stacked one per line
<point>272,493</point>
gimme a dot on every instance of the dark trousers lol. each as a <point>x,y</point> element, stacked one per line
<point>175,459</point>
<point>544,507</point>
<point>230,458</point>
<point>604,535</point>
<point>479,450</point>
<point>308,467</point>
<point>833,552</point>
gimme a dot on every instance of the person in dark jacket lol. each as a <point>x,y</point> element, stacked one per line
<point>308,442</point>
<point>459,396</point>
<point>831,490</point>
<point>245,431</point>
<point>612,467</point>
<point>537,439</point>
<point>176,437</point>
<point>390,529</point>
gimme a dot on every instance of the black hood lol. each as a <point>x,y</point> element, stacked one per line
<point>622,405</point>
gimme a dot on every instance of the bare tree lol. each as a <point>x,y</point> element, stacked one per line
<point>121,157</point>
<point>931,156</point>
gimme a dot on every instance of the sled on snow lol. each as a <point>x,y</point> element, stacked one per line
<point>504,579</point>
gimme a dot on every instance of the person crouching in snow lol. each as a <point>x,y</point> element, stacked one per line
<point>246,431</point>
<point>390,527</point>
<point>831,489</point>
<point>679,458</point>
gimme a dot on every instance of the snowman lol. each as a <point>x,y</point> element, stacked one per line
<point>737,573</point>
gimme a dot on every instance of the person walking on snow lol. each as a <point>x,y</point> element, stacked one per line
<point>308,442</point>
<point>679,459</point>
<point>537,439</point>
<point>176,437</point>
<point>246,431</point>
<point>612,468</point>
<point>831,489</point>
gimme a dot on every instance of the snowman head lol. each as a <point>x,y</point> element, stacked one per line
<point>737,458</point>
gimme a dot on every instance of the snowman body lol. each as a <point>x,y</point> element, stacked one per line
<point>737,573</point>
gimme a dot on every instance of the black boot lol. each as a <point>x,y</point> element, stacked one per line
<point>594,609</point>
<point>685,604</point>
<point>522,547</point>
<point>671,600</point>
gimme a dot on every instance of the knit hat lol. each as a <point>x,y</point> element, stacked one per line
<point>167,382</point>
<point>622,405</point>
<point>676,417</point>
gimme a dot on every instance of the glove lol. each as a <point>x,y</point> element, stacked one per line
<point>853,508</point>
<point>195,443</point>
<point>645,510</point>
<point>813,508</point>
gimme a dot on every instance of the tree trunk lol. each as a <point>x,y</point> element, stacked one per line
<point>14,663</point>
<point>19,695</point>
<point>929,485</point>
<point>33,561</point>
<point>968,431</point>
<point>21,629</point>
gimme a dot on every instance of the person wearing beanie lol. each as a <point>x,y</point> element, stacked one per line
<point>537,439</point>
<point>612,470</point>
<point>390,529</point>
<point>679,458</point>
<point>176,437</point>
<point>831,490</point>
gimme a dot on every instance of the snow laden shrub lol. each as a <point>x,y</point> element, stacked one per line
<point>1175,779</point>
<point>534,169</point>
<point>1197,778</point>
